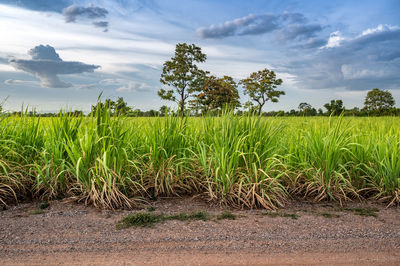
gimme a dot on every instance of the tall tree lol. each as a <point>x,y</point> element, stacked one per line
<point>164,110</point>
<point>335,107</point>
<point>216,94</point>
<point>261,87</point>
<point>121,107</point>
<point>305,108</point>
<point>182,73</point>
<point>378,101</point>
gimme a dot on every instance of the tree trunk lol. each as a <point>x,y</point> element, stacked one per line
<point>259,109</point>
<point>182,107</point>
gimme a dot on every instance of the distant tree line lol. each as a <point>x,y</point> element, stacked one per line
<point>377,103</point>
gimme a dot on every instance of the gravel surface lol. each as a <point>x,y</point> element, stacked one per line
<point>69,233</point>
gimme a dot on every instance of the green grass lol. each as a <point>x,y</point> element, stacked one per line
<point>362,211</point>
<point>248,162</point>
<point>36,212</point>
<point>150,219</point>
<point>226,215</point>
<point>44,205</point>
<point>200,215</point>
<point>274,214</point>
<point>139,220</point>
<point>328,215</point>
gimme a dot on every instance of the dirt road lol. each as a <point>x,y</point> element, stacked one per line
<point>304,233</point>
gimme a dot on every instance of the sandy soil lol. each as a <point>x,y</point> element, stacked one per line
<point>68,233</point>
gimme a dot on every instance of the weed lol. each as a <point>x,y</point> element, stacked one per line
<point>35,212</point>
<point>139,219</point>
<point>274,214</point>
<point>44,205</point>
<point>201,215</point>
<point>149,219</point>
<point>226,215</point>
<point>362,211</point>
<point>328,215</point>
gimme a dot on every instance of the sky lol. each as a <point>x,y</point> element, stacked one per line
<point>62,54</point>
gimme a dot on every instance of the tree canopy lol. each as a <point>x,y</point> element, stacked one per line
<point>378,101</point>
<point>182,73</point>
<point>119,107</point>
<point>216,94</point>
<point>335,107</point>
<point>261,87</point>
<point>306,109</point>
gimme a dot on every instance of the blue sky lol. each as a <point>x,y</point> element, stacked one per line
<point>62,54</point>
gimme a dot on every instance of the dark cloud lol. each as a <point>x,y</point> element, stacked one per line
<point>312,43</point>
<point>40,5</point>
<point>101,24</point>
<point>73,12</point>
<point>294,17</point>
<point>46,65</point>
<point>251,24</point>
<point>382,33</point>
<point>3,60</point>
<point>299,31</point>
<point>42,52</point>
<point>259,25</point>
<point>363,62</point>
<point>289,26</point>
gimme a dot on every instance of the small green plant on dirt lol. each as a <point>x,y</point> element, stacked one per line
<point>362,211</point>
<point>226,215</point>
<point>151,209</point>
<point>44,205</point>
<point>149,219</point>
<point>328,215</point>
<point>35,212</point>
<point>139,220</point>
<point>201,215</point>
<point>274,214</point>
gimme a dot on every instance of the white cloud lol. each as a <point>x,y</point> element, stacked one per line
<point>351,72</point>
<point>379,28</point>
<point>335,40</point>
<point>134,86</point>
<point>21,82</point>
<point>85,86</point>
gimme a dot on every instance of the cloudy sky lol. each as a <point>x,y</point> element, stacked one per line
<point>62,54</point>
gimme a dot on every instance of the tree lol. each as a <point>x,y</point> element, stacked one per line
<point>120,107</point>
<point>216,94</point>
<point>305,108</point>
<point>335,107</point>
<point>182,73</point>
<point>378,101</point>
<point>164,110</point>
<point>260,86</point>
<point>249,106</point>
